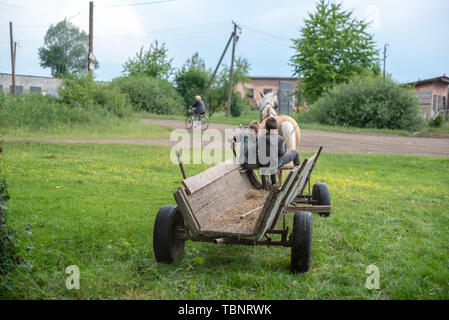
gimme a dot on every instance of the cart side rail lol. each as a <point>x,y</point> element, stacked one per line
<point>186,211</point>
<point>205,178</point>
<point>272,204</point>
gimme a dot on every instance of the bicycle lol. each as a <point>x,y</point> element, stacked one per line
<point>204,120</point>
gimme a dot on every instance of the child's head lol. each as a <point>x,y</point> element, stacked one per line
<point>255,126</point>
<point>271,124</point>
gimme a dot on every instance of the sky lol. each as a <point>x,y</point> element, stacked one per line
<point>417,32</point>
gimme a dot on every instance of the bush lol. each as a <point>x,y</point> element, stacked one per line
<point>237,104</point>
<point>370,102</point>
<point>8,254</point>
<point>110,98</point>
<point>151,94</point>
<point>437,122</point>
<point>79,91</point>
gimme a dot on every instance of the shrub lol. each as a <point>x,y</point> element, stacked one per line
<point>151,94</point>
<point>74,91</point>
<point>437,122</point>
<point>78,90</point>
<point>8,253</point>
<point>370,102</point>
<point>110,98</point>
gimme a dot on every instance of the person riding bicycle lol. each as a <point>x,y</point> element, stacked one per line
<point>198,108</point>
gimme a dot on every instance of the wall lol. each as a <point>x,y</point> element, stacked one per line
<point>426,93</point>
<point>47,85</point>
<point>259,84</point>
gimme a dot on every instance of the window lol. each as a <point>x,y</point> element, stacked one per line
<point>35,90</point>
<point>434,106</point>
<point>265,91</point>
<point>19,90</point>
<point>1,87</point>
<point>250,93</point>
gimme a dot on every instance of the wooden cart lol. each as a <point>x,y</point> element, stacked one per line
<point>205,203</point>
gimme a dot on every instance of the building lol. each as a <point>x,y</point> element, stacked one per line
<point>257,85</point>
<point>29,84</point>
<point>433,95</point>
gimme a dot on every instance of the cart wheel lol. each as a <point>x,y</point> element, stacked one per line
<point>167,248</point>
<point>301,241</point>
<point>320,193</point>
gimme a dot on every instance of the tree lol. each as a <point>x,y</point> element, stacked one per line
<point>192,79</point>
<point>218,96</point>
<point>153,62</point>
<point>333,47</point>
<point>65,49</point>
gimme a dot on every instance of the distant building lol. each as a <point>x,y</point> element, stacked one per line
<point>30,84</point>
<point>433,95</point>
<point>252,90</point>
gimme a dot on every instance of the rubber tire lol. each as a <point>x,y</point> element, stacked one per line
<point>165,245</point>
<point>301,241</point>
<point>204,123</point>
<point>321,193</point>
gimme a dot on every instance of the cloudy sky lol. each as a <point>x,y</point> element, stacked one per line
<point>417,31</point>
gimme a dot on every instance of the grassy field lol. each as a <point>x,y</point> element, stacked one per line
<point>440,131</point>
<point>94,206</point>
<point>113,128</point>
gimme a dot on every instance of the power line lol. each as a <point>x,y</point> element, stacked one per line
<point>49,24</point>
<point>265,39</point>
<point>134,4</point>
<point>276,37</point>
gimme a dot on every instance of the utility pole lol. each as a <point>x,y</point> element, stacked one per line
<point>218,65</point>
<point>90,56</point>
<point>13,61</point>
<point>228,110</point>
<point>385,56</point>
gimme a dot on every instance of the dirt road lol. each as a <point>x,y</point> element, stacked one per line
<point>349,142</point>
<point>310,141</point>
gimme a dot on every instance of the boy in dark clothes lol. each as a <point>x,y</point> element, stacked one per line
<point>272,150</point>
<point>248,146</point>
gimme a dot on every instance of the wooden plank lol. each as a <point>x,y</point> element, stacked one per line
<point>263,213</point>
<point>300,183</point>
<point>219,234</point>
<point>273,206</point>
<point>199,181</point>
<point>186,200</point>
<point>313,209</point>
<point>219,196</point>
<point>186,213</point>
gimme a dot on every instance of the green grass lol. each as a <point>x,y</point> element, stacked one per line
<point>248,116</point>
<point>109,127</point>
<point>442,131</point>
<point>94,206</point>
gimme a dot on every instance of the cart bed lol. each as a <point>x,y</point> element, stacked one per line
<point>213,201</point>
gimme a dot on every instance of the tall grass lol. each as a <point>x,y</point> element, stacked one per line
<point>35,112</point>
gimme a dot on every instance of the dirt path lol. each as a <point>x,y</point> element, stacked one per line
<point>349,142</point>
<point>310,141</point>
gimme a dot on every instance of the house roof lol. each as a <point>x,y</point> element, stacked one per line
<point>443,78</point>
<point>273,78</point>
